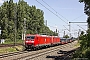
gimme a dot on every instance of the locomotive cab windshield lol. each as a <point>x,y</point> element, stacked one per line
<point>30,37</point>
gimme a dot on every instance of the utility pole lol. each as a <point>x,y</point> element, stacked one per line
<point>79,33</point>
<point>0,32</point>
<point>36,29</point>
<point>46,22</point>
<point>24,31</point>
<point>58,32</point>
<point>24,27</point>
<point>46,26</point>
<point>15,20</point>
<point>69,29</point>
<point>64,33</point>
<point>78,25</point>
<point>15,33</point>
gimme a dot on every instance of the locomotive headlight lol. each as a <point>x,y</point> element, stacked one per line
<point>32,41</point>
<point>26,41</point>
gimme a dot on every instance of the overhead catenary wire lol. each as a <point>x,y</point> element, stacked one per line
<point>51,12</point>
<point>59,13</point>
<point>54,10</point>
<point>81,27</point>
<point>66,28</point>
<point>78,17</point>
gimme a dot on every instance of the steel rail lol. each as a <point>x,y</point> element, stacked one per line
<point>40,53</point>
<point>24,54</point>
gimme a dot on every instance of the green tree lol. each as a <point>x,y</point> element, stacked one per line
<point>85,43</point>
<point>66,36</point>
<point>87,9</point>
<point>87,12</point>
<point>12,16</point>
<point>4,20</point>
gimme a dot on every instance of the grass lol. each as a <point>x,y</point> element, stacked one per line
<point>78,44</point>
<point>11,49</point>
<point>8,49</point>
<point>83,52</point>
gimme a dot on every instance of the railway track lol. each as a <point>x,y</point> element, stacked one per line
<point>66,55</point>
<point>29,55</point>
<point>12,54</point>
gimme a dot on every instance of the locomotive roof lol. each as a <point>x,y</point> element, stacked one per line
<point>39,35</point>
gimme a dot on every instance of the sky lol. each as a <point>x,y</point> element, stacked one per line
<point>66,10</point>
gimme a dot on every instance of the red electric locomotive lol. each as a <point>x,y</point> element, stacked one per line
<point>36,41</point>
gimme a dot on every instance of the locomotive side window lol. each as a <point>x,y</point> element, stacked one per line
<point>30,37</point>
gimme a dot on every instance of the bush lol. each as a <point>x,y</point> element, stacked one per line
<point>87,54</point>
